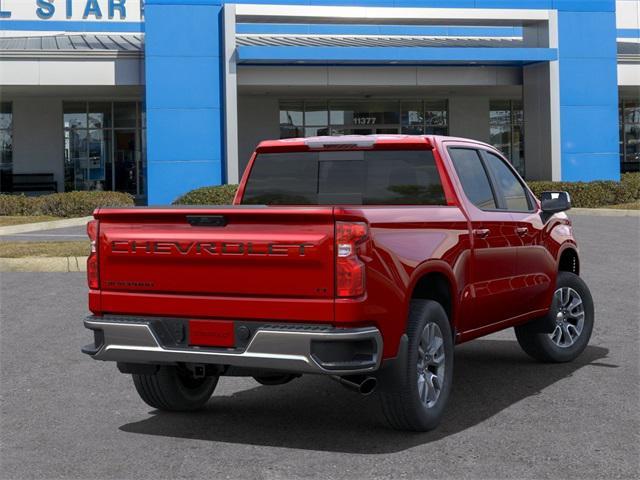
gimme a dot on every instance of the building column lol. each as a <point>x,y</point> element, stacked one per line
<point>184,97</point>
<point>588,95</point>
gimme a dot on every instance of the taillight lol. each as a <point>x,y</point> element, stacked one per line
<point>350,270</point>
<point>92,261</point>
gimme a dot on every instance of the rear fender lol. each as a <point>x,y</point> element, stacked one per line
<point>441,267</point>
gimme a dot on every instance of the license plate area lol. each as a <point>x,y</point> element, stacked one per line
<point>211,333</point>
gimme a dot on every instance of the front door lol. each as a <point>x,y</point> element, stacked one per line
<point>536,267</point>
<point>494,243</point>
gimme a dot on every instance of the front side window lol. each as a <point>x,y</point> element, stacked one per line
<point>473,177</point>
<point>510,189</point>
<point>345,178</point>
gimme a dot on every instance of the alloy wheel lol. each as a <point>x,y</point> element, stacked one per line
<point>431,364</point>
<point>569,317</point>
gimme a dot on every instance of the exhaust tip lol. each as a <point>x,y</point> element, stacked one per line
<point>368,385</point>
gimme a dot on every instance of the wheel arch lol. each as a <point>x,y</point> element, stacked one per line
<point>569,260</point>
<point>434,280</point>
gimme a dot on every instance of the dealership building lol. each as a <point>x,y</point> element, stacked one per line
<point>159,97</point>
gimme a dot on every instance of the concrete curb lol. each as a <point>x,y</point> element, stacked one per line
<point>604,212</point>
<point>36,227</point>
<point>44,264</point>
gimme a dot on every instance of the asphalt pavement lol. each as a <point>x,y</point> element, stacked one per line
<point>64,415</point>
<point>65,234</point>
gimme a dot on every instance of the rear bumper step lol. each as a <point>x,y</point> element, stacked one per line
<point>316,349</point>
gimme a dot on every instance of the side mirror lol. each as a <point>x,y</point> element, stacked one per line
<point>554,202</point>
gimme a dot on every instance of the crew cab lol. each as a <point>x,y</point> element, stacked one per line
<point>362,258</point>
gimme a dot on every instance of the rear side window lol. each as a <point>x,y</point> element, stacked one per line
<point>403,177</point>
<point>509,187</point>
<point>473,177</point>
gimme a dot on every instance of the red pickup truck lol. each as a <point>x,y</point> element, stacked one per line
<point>363,258</point>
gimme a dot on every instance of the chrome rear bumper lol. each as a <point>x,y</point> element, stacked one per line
<point>273,347</point>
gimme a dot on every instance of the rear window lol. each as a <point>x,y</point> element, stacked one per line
<point>406,177</point>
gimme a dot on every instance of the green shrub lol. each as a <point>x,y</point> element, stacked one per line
<point>69,204</point>
<point>595,194</point>
<point>17,205</point>
<point>218,195</point>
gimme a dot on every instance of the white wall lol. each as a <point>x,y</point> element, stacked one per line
<point>38,143</point>
<point>628,14</point>
<point>258,119</point>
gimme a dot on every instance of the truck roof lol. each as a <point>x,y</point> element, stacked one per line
<point>356,141</point>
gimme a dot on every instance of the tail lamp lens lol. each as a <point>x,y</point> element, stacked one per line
<point>350,270</point>
<point>92,261</point>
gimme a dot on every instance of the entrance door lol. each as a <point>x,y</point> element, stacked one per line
<point>126,162</point>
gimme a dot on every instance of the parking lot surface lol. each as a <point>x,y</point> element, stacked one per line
<point>66,416</point>
<point>54,235</point>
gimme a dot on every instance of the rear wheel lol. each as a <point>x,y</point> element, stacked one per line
<point>418,395</point>
<point>574,316</point>
<point>174,389</point>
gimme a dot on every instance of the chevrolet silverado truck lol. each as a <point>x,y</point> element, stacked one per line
<point>361,258</point>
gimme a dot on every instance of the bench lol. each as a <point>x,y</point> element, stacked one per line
<point>33,182</point>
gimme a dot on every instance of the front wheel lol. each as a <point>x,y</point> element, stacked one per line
<point>174,389</point>
<point>418,394</point>
<point>573,313</point>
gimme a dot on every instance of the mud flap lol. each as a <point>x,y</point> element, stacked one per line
<point>391,372</point>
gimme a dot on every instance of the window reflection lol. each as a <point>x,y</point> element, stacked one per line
<point>506,129</point>
<point>104,147</point>
<point>301,118</point>
<point>630,135</point>
<point>6,146</point>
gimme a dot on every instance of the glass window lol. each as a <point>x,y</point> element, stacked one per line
<point>300,118</point>
<point>75,114</point>
<point>347,178</point>
<point>6,146</point>
<point>99,115</point>
<point>510,189</point>
<point>506,130</point>
<point>124,114</point>
<point>316,114</point>
<point>102,142</point>
<point>473,177</point>
<point>630,135</point>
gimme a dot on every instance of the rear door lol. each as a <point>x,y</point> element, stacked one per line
<point>494,241</point>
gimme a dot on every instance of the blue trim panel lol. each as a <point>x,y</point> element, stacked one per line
<point>247,54</point>
<point>588,96</point>
<point>343,29</point>
<point>71,26</point>
<point>628,33</point>
<point>184,94</point>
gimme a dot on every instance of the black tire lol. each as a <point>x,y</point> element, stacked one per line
<point>401,402</point>
<point>174,389</point>
<point>271,380</point>
<point>541,346</point>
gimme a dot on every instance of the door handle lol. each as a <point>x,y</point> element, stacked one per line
<point>481,232</point>
<point>522,231</point>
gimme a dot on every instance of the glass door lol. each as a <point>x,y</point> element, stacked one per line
<point>125,164</point>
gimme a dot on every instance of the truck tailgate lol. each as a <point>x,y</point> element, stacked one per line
<point>254,254</point>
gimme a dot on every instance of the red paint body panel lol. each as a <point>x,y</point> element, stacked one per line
<point>278,263</point>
